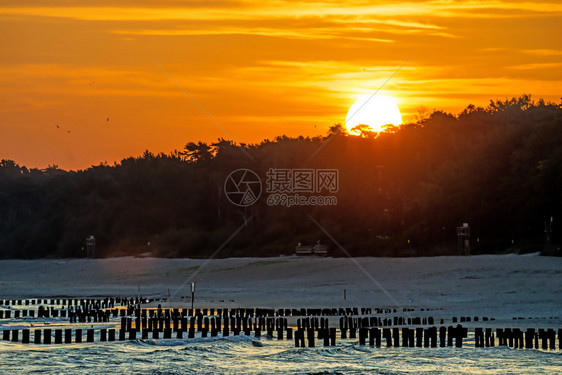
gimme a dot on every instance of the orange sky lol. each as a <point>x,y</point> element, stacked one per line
<point>260,68</point>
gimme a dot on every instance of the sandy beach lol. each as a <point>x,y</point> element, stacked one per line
<point>502,286</point>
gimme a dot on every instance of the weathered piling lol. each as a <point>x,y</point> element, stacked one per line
<point>551,334</point>
<point>490,338</point>
<point>68,336</point>
<point>90,335</point>
<point>396,336</point>
<point>111,334</point>
<point>479,337</point>
<point>363,332</point>
<point>37,336</point>
<point>299,338</point>
<point>419,337</point>
<point>386,334</point>
<point>426,338</point>
<point>529,336</point>
<point>25,336</point>
<point>405,336</point>
<point>47,336</point>
<point>460,334</point>
<point>310,336</point>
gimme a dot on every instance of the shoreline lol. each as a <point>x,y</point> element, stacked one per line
<point>494,285</point>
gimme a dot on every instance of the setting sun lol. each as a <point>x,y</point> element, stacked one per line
<point>374,110</point>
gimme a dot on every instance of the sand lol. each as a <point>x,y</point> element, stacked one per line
<point>501,286</point>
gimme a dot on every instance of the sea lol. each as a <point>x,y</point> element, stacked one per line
<point>250,355</point>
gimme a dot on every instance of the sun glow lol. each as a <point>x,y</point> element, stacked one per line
<point>375,111</point>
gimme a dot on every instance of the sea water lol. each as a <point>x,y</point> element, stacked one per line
<point>250,355</point>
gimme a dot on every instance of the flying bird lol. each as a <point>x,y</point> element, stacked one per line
<point>68,131</point>
<point>58,127</point>
<point>108,119</point>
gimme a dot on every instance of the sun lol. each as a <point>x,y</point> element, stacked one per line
<point>374,110</point>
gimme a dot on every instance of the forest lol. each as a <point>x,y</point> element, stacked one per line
<point>402,192</point>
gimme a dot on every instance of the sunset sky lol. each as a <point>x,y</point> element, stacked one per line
<point>260,68</point>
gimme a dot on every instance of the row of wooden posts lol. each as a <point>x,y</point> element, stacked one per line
<point>132,303</point>
<point>375,337</point>
<point>83,314</point>
<point>107,302</point>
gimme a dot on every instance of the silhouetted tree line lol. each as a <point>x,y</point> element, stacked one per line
<point>402,192</point>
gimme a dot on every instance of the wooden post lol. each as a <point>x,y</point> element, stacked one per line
<point>419,337</point>
<point>433,336</point>
<point>297,338</point>
<point>25,336</point>
<point>362,336</point>
<point>478,337</point>
<point>517,338</point>
<point>551,338</point>
<point>426,338</point>
<point>310,332</point>
<point>58,336</point>
<point>37,336</point>
<point>460,333</point>
<point>405,336</point>
<point>509,336</point>
<point>377,333</point>
<point>386,333</point>
<point>68,336</point>
<point>192,294</point>
<point>326,336</point>
<point>544,338</point>
<point>47,336</point>
<point>167,333</point>
<point>78,338</point>
<point>300,333</point>
<point>90,335</point>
